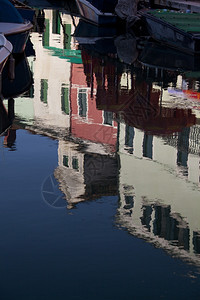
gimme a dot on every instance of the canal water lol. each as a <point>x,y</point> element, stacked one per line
<point>100,173</point>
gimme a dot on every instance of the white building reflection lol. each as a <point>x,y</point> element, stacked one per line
<point>49,107</point>
<point>159,185</point>
<point>159,180</point>
<point>52,74</point>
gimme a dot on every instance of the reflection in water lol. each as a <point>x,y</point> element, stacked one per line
<point>137,102</point>
<point>121,130</point>
<point>22,78</point>
<point>40,21</point>
<point>7,130</point>
<point>166,225</point>
<point>84,174</point>
<point>6,116</point>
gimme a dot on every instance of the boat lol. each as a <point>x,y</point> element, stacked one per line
<point>68,5</point>
<point>95,38</point>
<point>13,26</point>
<point>5,51</point>
<point>175,29</point>
<point>154,55</point>
<point>88,33</point>
<point>98,12</point>
<point>108,41</point>
<point>25,11</point>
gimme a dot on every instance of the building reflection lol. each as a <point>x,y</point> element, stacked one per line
<point>62,108</point>
<point>50,106</point>
<point>16,82</point>
<point>156,178</point>
<point>89,164</point>
<point>119,133</point>
<point>85,174</point>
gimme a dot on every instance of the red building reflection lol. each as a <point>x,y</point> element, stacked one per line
<point>87,122</point>
<point>139,105</point>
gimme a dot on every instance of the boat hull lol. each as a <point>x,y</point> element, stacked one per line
<point>25,11</point>
<point>95,16</point>
<point>88,33</point>
<point>168,34</point>
<point>5,51</point>
<point>13,26</point>
<point>155,55</point>
<point>18,41</point>
<point>27,14</point>
<point>17,34</point>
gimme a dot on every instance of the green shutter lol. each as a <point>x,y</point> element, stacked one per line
<point>82,101</point>
<point>67,36</point>
<point>65,161</point>
<point>65,100</point>
<point>75,165</point>
<point>46,34</point>
<point>44,90</point>
<point>56,22</point>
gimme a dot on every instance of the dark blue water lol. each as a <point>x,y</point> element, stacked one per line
<point>49,253</point>
<point>99,177</point>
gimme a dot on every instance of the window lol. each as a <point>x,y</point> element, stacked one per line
<point>82,102</point>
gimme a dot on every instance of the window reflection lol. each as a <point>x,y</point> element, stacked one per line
<point>196,242</point>
<point>75,164</point>
<point>45,36</point>
<point>146,217</point>
<point>108,118</point>
<point>169,227</point>
<point>67,36</point>
<point>129,202</point>
<point>65,100</point>
<point>65,161</point>
<point>148,146</point>
<point>82,102</point>
<point>129,136</point>
<point>56,22</point>
<point>44,90</point>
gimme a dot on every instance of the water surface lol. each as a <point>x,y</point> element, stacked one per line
<point>100,173</point>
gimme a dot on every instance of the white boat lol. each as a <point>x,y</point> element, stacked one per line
<point>5,50</point>
<point>94,15</point>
